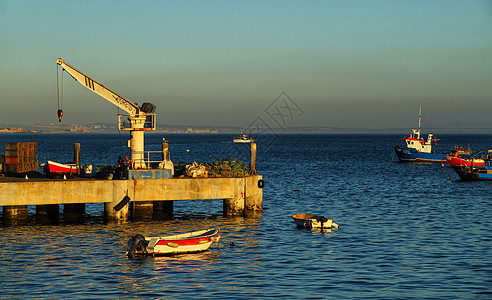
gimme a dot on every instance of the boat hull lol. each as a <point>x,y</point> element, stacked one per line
<point>190,242</point>
<point>53,169</point>
<point>458,161</point>
<point>410,155</point>
<point>473,174</point>
<point>241,141</point>
<point>311,221</point>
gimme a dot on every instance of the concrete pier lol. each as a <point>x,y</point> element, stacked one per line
<point>238,194</point>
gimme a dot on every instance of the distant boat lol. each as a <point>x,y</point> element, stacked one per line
<point>57,170</point>
<point>473,172</point>
<point>417,149</point>
<point>242,138</point>
<point>190,242</point>
<point>311,221</point>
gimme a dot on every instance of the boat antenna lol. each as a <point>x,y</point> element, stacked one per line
<point>420,117</point>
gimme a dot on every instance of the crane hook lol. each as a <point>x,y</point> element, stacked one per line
<point>60,115</point>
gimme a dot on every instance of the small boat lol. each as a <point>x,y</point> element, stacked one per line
<point>190,242</point>
<point>313,221</point>
<point>473,172</point>
<point>57,170</point>
<point>417,149</point>
<point>242,138</point>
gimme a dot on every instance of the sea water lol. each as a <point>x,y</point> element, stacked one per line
<point>406,230</point>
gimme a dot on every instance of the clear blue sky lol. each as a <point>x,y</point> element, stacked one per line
<point>353,64</point>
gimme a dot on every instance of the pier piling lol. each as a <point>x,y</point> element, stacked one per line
<point>15,215</point>
<point>48,214</point>
<point>143,210</point>
<point>163,210</point>
<point>74,212</point>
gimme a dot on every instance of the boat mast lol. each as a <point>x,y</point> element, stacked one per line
<point>420,117</point>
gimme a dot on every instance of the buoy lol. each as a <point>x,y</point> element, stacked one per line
<point>231,244</point>
<point>187,150</point>
<point>27,177</point>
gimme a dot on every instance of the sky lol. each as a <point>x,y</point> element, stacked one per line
<point>349,64</point>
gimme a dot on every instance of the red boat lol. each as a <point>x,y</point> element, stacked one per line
<point>462,158</point>
<point>190,242</point>
<point>57,170</point>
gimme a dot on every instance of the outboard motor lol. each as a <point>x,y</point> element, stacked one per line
<point>137,246</point>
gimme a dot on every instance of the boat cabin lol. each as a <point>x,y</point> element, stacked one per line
<point>419,144</point>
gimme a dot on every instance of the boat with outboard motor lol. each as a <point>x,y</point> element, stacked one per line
<point>473,172</point>
<point>311,221</point>
<point>417,149</point>
<point>190,242</point>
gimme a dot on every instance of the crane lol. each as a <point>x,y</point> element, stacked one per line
<point>140,118</point>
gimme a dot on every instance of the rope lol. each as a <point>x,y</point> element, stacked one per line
<point>59,89</point>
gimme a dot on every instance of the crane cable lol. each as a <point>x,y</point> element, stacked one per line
<point>59,95</point>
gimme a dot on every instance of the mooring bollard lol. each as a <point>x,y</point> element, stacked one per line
<point>76,153</point>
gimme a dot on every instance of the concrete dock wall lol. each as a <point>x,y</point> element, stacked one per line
<point>239,194</point>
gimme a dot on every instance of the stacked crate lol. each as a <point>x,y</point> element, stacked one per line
<point>21,157</point>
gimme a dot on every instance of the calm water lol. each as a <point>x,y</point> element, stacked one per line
<point>406,230</point>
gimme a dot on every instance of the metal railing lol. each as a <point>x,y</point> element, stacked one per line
<point>147,160</point>
<point>125,124</point>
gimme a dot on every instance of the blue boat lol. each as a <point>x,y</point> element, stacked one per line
<point>471,173</point>
<point>417,149</point>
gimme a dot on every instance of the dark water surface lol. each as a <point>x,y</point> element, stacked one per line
<point>406,230</point>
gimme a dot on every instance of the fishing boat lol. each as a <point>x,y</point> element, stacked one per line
<point>57,170</point>
<point>417,149</point>
<point>473,172</point>
<point>242,138</point>
<point>313,221</point>
<point>190,242</point>
<point>463,158</point>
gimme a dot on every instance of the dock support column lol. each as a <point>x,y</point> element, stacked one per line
<point>48,214</point>
<point>74,213</point>
<point>118,209</point>
<point>254,193</point>
<point>111,214</point>
<point>163,210</point>
<point>143,210</point>
<point>235,206</point>
<point>252,159</point>
<point>15,215</point>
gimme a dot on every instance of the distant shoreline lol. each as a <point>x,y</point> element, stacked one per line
<point>105,128</point>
